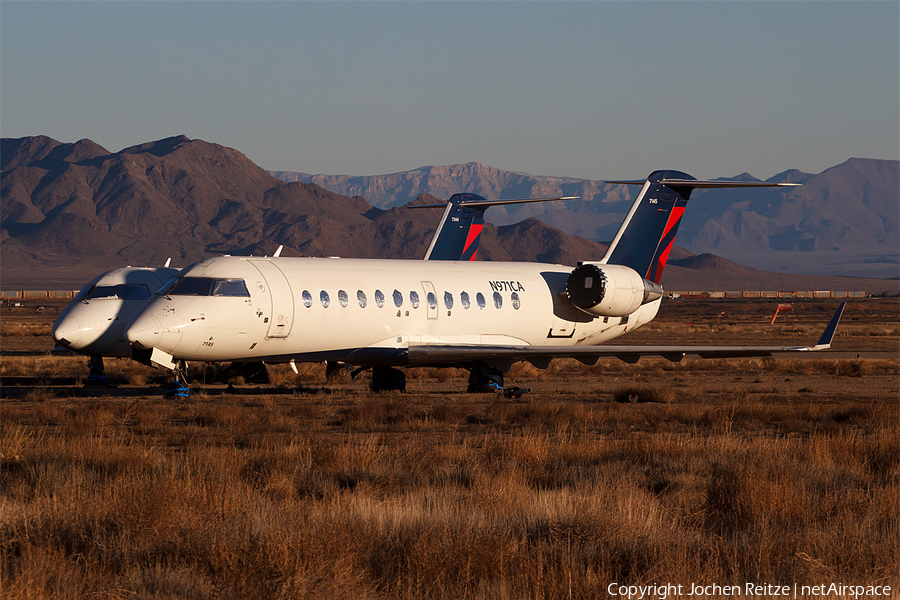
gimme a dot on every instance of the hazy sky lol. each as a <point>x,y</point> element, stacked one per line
<point>582,89</point>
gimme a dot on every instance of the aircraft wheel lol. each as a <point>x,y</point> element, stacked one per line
<point>333,371</point>
<point>386,379</point>
<point>97,376</point>
<point>484,379</point>
<point>179,387</point>
<point>255,372</point>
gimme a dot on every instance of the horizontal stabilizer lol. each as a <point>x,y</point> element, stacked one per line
<point>484,203</point>
<point>709,184</point>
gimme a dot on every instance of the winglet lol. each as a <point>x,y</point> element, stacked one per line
<point>827,335</point>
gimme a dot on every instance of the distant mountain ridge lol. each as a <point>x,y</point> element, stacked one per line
<point>850,212</point>
<point>72,210</point>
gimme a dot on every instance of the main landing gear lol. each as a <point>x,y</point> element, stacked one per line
<point>484,378</point>
<point>252,372</point>
<point>388,379</point>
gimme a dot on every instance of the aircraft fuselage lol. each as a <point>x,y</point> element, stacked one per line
<point>365,312</point>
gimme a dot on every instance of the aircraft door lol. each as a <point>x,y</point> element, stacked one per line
<point>431,302</point>
<point>281,317</point>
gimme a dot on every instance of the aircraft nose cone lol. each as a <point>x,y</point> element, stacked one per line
<point>67,333</point>
<point>144,333</point>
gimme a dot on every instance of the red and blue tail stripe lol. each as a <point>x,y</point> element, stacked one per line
<point>645,239</point>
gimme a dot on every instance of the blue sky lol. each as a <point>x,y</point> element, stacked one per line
<point>582,89</point>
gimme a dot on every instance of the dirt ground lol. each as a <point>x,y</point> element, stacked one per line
<point>702,471</point>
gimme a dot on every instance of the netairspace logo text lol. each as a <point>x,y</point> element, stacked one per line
<point>751,590</point>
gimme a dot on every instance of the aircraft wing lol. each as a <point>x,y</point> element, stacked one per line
<point>540,356</point>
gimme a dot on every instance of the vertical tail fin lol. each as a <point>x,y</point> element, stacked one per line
<point>645,237</point>
<point>460,228</point>
<point>647,234</point>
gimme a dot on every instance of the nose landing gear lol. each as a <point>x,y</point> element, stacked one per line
<point>97,376</point>
<point>179,387</point>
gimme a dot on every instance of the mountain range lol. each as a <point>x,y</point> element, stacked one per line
<point>843,221</point>
<point>73,210</point>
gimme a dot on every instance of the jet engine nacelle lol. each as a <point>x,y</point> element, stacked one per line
<point>609,290</point>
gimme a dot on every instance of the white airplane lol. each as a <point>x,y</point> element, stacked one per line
<point>93,323</point>
<point>383,314</point>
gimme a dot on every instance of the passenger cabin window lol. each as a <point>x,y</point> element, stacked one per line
<point>122,291</point>
<point>209,286</point>
<point>379,299</point>
<point>361,298</point>
<point>307,299</point>
<point>414,299</point>
<point>448,300</point>
<point>326,301</point>
<point>343,299</point>
<point>398,298</point>
<point>432,301</point>
<point>479,299</point>
<point>516,303</point>
<point>464,300</point>
<point>498,300</point>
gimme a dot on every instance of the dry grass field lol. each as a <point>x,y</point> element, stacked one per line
<point>705,472</point>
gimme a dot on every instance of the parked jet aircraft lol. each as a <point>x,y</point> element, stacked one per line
<point>94,322</point>
<point>381,314</point>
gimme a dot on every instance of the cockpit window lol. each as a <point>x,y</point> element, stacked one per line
<point>208,286</point>
<point>230,287</point>
<point>123,291</point>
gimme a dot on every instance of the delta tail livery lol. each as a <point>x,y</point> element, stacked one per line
<point>383,314</point>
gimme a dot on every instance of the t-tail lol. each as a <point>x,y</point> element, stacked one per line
<point>646,236</point>
<point>460,228</point>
